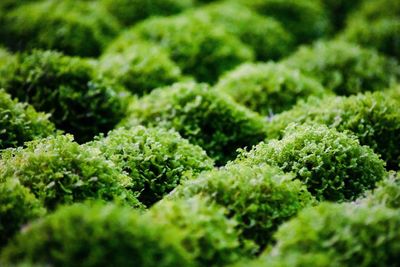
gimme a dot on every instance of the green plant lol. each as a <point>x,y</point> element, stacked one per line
<point>339,10</point>
<point>351,235</point>
<point>260,197</point>
<point>204,116</point>
<point>129,12</point>
<point>333,165</point>
<point>209,236</point>
<point>307,20</point>
<point>268,88</point>
<point>68,89</point>
<point>345,68</point>
<point>373,118</point>
<point>155,159</point>
<point>386,193</point>
<point>20,123</point>
<point>94,234</point>
<point>377,9</point>
<point>17,207</point>
<point>58,170</point>
<point>198,46</point>
<point>140,68</point>
<point>267,36</point>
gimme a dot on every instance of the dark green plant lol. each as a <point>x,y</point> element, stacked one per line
<point>199,47</point>
<point>94,234</point>
<point>10,4</point>
<point>202,115</point>
<point>346,68</point>
<point>67,88</point>
<point>307,20</point>
<point>267,36</point>
<point>58,170</point>
<point>17,207</point>
<point>209,236</point>
<point>129,12</point>
<point>381,34</point>
<point>339,10</point>
<point>268,88</point>
<point>260,197</point>
<point>333,166</point>
<point>351,235</point>
<point>80,28</point>
<point>155,159</point>
<point>140,68</point>
<point>373,118</point>
<point>20,122</point>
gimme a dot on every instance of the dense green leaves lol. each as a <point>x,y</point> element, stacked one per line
<point>155,159</point>
<point>202,115</point>
<point>386,193</point>
<point>333,165</point>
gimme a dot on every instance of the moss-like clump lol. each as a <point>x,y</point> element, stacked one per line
<point>65,87</point>
<point>346,68</point>
<point>17,207</point>
<point>382,35</point>
<point>260,198</point>
<point>267,36</point>
<point>373,118</point>
<point>209,236</point>
<point>20,123</point>
<point>333,165</point>
<point>307,20</point>
<point>198,46</point>
<point>131,11</point>
<point>268,88</point>
<point>97,235</point>
<point>58,170</point>
<point>140,68</point>
<point>202,115</point>
<point>386,193</point>
<point>157,160</point>
<point>351,235</point>
<point>76,28</point>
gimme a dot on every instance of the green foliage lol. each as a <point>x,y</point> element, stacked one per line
<point>155,159</point>
<point>97,235</point>
<point>140,68</point>
<point>372,10</point>
<point>17,207</point>
<point>10,4</point>
<point>67,88</point>
<point>306,19</point>
<point>373,118</point>
<point>338,10</point>
<point>20,123</point>
<point>345,68</point>
<point>267,36</point>
<point>386,193</point>
<point>351,235</point>
<point>198,46</point>
<point>204,116</point>
<point>268,88</point>
<point>58,170</point>
<point>381,34</point>
<point>209,236</point>
<point>74,27</point>
<point>260,198</point>
<point>131,11</point>
<point>333,165</point>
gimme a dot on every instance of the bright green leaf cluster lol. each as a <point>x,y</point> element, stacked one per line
<point>199,47</point>
<point>155,159</point>
<point>58,170</point>
<point>333,165</point>
<point>17,207</point>
<point>260,198</point>
<point>67,88</point>
<point>20,123</point>
<point>202,115</point>
<point>386,193</point>
<point>351,235</point>
<point>268,88</point>
<point>373,118</point>
<point>345,68</point>
<point>74,27</point>
<point>94,234</point>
